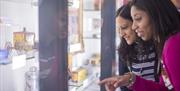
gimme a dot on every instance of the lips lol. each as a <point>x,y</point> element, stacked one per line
<point>139,33</point>
<point>126,38</point>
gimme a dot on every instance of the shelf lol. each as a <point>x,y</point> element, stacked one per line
<point>91,10</point>
<point>90,38</point>
<point>82,85</point>
<point>93,76</point>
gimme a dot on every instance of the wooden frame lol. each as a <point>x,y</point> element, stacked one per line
<point>75,26</point>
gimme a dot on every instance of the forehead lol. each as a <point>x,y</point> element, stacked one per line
<point>121,20</point>
<point>136,11</point>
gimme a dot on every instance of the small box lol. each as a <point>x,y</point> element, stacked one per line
<point>95,59</point>
<point>79,75</point>
<point>24,40</point>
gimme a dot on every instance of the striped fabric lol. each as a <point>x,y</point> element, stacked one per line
<point>145,65</point>
<point>166,79</point>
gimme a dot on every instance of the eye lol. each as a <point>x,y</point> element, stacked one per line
<point>121,28</point>
<point>124,27</point>
<point>137,18</point>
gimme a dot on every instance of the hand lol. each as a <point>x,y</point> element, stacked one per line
<point>123,80</point>
<point>109,87</point>
<point>109,83</point>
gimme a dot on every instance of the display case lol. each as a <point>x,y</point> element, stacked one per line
<point>61,64</point>
<point>18,52</point>
<point>5,39</point>
<point>75,26</point>
<point>84,66</point>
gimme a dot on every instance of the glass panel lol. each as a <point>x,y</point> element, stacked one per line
<point>18,45</point>
<point>84,66</point>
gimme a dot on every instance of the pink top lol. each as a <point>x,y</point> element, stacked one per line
<point>171,60</point>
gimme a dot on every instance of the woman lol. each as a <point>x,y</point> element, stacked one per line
<point>140,56</point>
<point>158,20</point>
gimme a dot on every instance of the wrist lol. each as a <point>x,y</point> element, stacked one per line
<point>131,80</point>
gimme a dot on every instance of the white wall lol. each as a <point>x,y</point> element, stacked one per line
<point>91,45</point>
<point>21,15</point>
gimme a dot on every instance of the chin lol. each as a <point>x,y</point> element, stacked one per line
<point>145,39</point>
<point>129,43</point>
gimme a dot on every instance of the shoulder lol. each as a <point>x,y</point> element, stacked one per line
<point>173,41</point>
<point>172,47</point>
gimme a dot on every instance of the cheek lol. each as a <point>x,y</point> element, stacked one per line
<point>150,29</point>
<point>132,35</point>
<point>133,38</point>
<point>145,28</point>
<point>148,34</point>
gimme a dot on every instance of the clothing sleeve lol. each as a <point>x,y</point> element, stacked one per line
<point>147,85</point>
<point>171,58</point>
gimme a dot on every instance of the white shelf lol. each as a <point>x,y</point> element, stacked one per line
<point>91,79</point>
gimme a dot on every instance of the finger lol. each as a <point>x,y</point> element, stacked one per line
<point>107,80</point>
<point>110,87</point>
<point>107,87</point>
<point>104,81</point>
<point>118,83</point>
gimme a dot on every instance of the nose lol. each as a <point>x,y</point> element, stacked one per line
<point>122,33</point>
<point>134,26</point>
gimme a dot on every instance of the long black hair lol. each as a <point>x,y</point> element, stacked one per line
<point>164,17</point>
<point>139,47</point>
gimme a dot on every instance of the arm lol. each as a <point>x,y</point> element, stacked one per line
<point>171,58</point>
<point>140,84</point>
<point>147,85</point>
